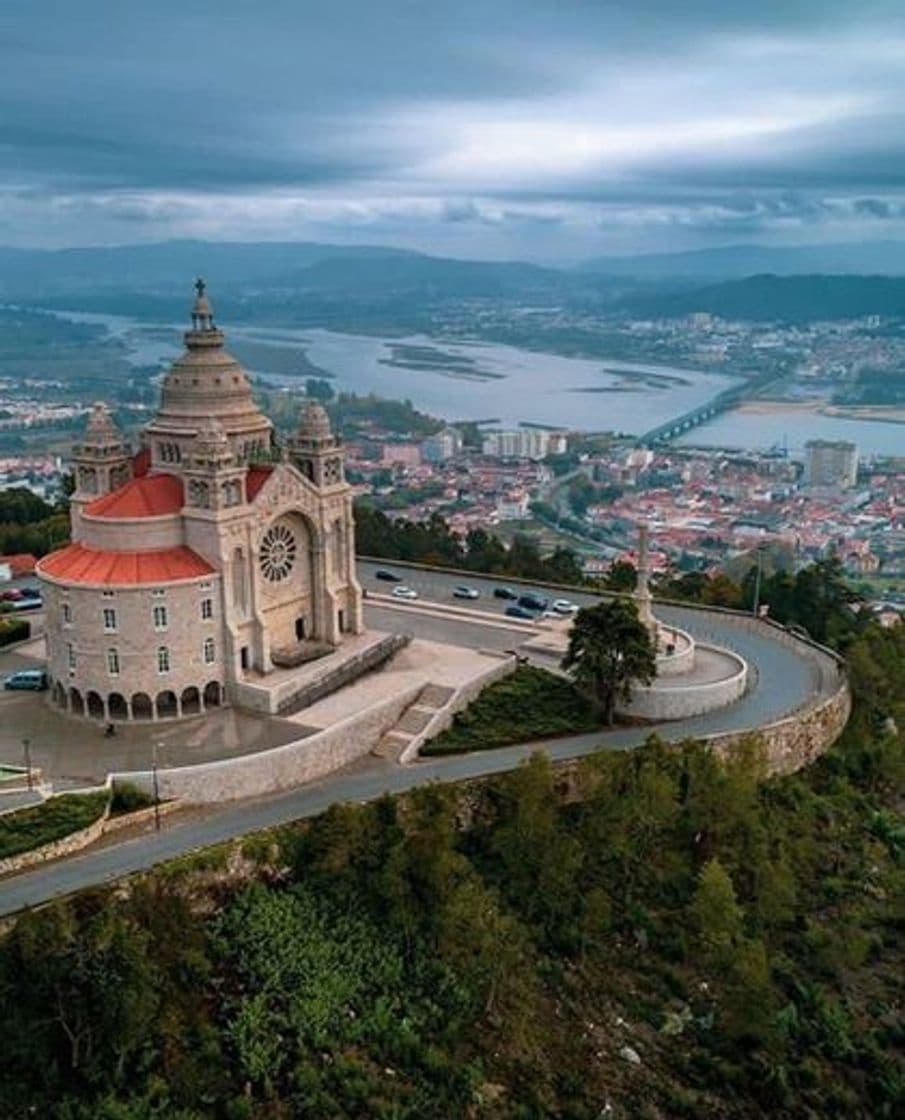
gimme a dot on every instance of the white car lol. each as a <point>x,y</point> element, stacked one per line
<point>463,592</point>
<point>564,606</point>
<point>403,592</point>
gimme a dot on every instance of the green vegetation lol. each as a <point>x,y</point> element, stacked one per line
<point>29,524</point>
<point>432,542</point>
<point>53,819</point>
<point>675,937</point>
<point>530,704</point>
<point>610,650</point>
<point>127,798</point>
<point>13,629</point>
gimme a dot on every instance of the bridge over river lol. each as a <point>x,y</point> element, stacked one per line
<point>723,402</point>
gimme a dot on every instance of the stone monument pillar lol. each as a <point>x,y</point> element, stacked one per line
<point>642,588</point>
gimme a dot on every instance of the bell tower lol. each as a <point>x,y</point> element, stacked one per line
<point>213,478</point>
<point>315,450</point>
<point>102,460</point>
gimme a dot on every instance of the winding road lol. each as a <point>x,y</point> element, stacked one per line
<point>787,676</point>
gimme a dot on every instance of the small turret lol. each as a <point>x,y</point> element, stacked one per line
<point>101,460</point>
<point>314,449</point>
<point>214,480</point>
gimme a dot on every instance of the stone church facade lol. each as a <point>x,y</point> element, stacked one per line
<point>206,559</point>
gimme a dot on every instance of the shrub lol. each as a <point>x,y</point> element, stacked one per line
<point>14,630</point>
<point>128,798</point>
<point>57,817</point>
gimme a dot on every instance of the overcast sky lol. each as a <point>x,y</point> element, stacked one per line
<point>499,128</point>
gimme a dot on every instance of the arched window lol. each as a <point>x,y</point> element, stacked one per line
<point>113,662</point>
<point>210,651</point>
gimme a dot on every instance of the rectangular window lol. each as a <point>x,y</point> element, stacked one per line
<point>67,614</point>
<point>207,609</point>
<point>163,659</point>
<point>107,594</point>
<point>70,654</point>
<point>210,651</point>
<point>160,617</point>
<point>113,662</point>
<point>109,619</point>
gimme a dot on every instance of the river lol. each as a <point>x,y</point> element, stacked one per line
<point>491,381</point>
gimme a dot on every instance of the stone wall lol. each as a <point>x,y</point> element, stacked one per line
<point>280,768</point>
<point>682,700</point>
<point>294,693</point>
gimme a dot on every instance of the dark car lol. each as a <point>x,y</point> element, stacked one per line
<point>30,680</point>
<point>518,612</point>
<point>388,577</point>
<point>31,592</point>
<point>533,602</point>
<point>504,593</point>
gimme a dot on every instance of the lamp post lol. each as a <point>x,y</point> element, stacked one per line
<point>156,788</point>
<point>757,577</point>
<point>26,743</point>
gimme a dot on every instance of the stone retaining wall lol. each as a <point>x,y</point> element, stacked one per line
<point>681,700</point>
<point>279,768</point>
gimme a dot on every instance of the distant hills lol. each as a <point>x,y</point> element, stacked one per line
<point>313,283</point>
<point>793,299</point>
<point>871,258</point>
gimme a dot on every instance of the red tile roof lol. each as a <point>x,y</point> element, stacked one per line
<point>20,563</point>
<point>141,463</point>
<point>254,480</point>
<point>77,564</point>
<point>152,495</point>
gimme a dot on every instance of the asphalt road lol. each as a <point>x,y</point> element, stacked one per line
<point>784,680</point>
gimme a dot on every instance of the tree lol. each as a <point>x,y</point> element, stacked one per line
<point>609,650</point>
<point>622,576</point>
<point>319,389</point>
<point>716,914</point>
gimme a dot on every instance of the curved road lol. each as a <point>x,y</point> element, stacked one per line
<point>786,679</point>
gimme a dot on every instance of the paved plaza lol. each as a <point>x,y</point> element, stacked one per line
<point>75,752</point>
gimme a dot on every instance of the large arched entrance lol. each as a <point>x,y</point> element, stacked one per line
<point>290,580</point>
<point>76,703</point>
<point>95,705</point>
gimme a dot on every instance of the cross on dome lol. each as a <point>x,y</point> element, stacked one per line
<point>202,311</point>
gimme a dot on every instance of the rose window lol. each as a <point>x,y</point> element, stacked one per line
<point>277,553</point>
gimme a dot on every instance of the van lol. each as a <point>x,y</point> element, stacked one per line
<point>31,680</point>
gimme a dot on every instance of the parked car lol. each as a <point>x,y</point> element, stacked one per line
<point>11,596</point>
<point>31,680</point>
<point>518,612</point>
<point>564,606</point>
<point>31,592</point>
<point>403,592</point>
<point>463,592</point>
<point>533,602</point>
<point>30,604</point>
<point>504,593</point>
<point>388,577</point>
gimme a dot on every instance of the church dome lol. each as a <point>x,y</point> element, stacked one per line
<point>207,382</point>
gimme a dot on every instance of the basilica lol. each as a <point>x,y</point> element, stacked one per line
<point>208,558</point>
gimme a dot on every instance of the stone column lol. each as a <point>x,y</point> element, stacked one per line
<point>642,588</point>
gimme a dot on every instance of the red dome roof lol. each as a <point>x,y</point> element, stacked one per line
<point>153,495</point>
<point>77,564</point>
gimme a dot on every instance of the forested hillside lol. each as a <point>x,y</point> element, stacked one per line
<point>682,939</point>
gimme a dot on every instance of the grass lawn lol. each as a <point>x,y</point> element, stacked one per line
<point>55,818</point>
<point>529,704</point>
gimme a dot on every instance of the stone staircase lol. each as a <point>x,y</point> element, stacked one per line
<point>413,721</point>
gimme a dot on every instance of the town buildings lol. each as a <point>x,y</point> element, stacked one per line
<point>831,463</point>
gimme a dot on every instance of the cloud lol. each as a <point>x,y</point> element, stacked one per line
<point>511,126</point>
